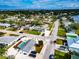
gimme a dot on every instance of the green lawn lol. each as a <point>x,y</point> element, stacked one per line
<point>11,29</point>
<point>2,57</point>
<point>59,54</point>
<point>14,35</point>
<point>32,32</point>
<point>60,41</point>
<point>61,32</point>
<point>2,27</point>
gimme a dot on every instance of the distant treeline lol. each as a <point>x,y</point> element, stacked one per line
<point>13,12</point>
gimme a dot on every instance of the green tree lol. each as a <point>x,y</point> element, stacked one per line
<point>37,22</point>
<point>2,51</point>
<point>53,18</point>
<point>10,22</point>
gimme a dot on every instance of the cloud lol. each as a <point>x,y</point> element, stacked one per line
<point>10,2</point>
<point>40,3</point>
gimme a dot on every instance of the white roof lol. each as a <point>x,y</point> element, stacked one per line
<point>72,34</point>
<point>4,24</point>
<point>75,45</point>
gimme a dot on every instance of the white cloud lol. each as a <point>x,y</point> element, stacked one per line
<point>40,3</point>
<point>10,2</point>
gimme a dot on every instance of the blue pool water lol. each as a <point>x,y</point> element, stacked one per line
<point>39,4</point>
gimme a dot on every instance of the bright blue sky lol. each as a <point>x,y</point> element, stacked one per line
<point>39,4</point>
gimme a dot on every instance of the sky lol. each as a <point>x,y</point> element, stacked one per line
<point>39,4</point>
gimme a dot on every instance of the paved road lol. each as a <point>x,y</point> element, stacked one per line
<point>49,46</point>
<point>55,30</point>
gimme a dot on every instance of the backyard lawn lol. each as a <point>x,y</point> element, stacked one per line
<point>14,35</point>
<point>11,29</point>
<point>61,32</point>
<point>2,27</point>
<point>32,32</point>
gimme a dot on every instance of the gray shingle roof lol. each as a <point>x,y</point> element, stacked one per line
<point>7,39</point>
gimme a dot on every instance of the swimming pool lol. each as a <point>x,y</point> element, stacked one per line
<point>39,4</point>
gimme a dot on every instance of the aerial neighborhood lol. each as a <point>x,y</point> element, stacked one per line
<point>40,32</point>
